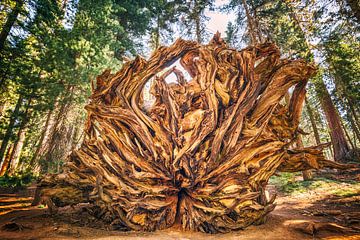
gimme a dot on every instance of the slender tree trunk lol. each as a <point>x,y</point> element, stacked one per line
<point>10,127</point>
<point>9,23</point>
<point>355,8</point>
<point>197,21</point>
<point>353,114</point>
<point>19,143</point>
<point>2,107</point>
<point>155,34</point>
<point>43,138</point>
<point>250,23</point>
<point>307,174</point>
<point>52,137</point>
<point>15,155</point>
<point>255,19</point>
<point>312,121</point>
<point>6,161</point>
<point>77,134</point>
<point>356,131</point>
<point>338,138</point>
<point>62,113</point>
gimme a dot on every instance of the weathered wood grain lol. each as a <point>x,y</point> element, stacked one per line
<point>202,153</point>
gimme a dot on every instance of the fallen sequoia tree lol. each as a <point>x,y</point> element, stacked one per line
<point>200,155</point>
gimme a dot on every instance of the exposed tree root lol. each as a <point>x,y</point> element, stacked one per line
<point>203,152</point>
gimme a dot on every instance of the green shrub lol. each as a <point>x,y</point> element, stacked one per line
<point>16,181</point>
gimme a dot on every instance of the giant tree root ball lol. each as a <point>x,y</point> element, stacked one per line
<point>202,152</point>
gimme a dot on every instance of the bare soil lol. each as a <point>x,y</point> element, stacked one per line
<point>313,214</point>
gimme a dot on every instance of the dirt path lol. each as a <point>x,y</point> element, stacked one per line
<point>292,217</point>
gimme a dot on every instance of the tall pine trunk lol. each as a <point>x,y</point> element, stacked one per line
<point>353,118</point>
<point>60,116</point>
<point>310,112</point>
<point>43,138</point>
<point>6,162</point>
<point>338,138</point>
<point>337,135</point>
<point>9,23</point>
<point>20,139</point>
<point>251,24</point>
<point>15,155</point>
<point>197,21</point>
<point>10,127</point>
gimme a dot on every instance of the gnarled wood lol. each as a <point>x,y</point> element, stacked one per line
<point>202,153</point>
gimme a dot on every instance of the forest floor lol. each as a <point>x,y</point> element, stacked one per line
<point>327,207</point>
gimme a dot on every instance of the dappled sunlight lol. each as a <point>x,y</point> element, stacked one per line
<point>11,202</point>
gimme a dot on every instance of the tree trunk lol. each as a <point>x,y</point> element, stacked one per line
<point>197,13</point>
<point>353,118</point>
<point>355,9</point>
<point>43,138</point>
<point>338,138</point>
<point>155,34</point>
<point>251,24</point>
<point>307,174</point>
<point>19,142</point>
<point>15,155</point>
<point>2,107</point>
<point>356,131</point>
<point>77,134</point>
<point>61,115</point>
<point>310,112</point>
<point>202,153</point>
<point>5,164</point>
<point>10,127</point>
<point>9,23</point>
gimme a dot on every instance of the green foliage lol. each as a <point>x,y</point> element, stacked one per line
<point>342,55</point>
<point>291,183</point>
<point>16,181</point>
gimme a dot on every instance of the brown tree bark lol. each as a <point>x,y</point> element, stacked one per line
<point>354,121</point>
<point>15,154</point>
<point>354,127</point>
<point>9,130</point>
<point>307,174</point>
<point>251,24</point>
<point>58,120</point>
<point>338,138</point>
<point>202,153</point>
<point>310,112</point>
<point>20,138</point>
<point>40,149</point>
<point>6,162</point>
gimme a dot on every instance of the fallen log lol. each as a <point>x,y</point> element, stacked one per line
<point>202,153</point>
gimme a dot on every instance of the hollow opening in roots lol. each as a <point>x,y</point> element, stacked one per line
<point>148,97</point>
<point>178,216</point>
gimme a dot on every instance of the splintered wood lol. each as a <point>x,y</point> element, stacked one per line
<point>202,153</point>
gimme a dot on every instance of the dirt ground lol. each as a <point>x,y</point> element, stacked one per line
<point>313,214</point>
